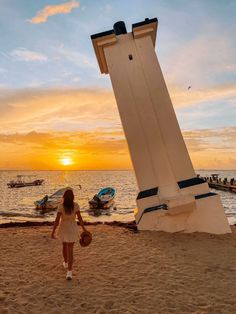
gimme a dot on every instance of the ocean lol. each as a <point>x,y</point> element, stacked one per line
<point>17,204</point>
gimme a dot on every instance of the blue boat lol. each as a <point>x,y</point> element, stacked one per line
<point>104,199</point>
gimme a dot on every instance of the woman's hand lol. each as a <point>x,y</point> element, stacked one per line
<point>85,230</point>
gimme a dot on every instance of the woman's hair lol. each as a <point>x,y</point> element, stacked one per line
<point>68,202</point>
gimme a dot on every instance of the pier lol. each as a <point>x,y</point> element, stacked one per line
<point>221,184</point>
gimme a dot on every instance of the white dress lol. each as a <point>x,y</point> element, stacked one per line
<point>68,230</point>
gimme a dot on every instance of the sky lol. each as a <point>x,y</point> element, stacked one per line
<point>59,112</point>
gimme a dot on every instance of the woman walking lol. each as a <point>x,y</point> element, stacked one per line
<point>68,231</point>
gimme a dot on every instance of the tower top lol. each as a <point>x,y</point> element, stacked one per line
<point>101,40</point>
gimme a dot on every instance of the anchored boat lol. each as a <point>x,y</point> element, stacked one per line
<point>48,203</point>
<point>21,181</point>
<point>104,199</point>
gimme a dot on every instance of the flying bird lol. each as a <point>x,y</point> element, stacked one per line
<point>189,87</point>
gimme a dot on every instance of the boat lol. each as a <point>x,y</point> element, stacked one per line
<point>21,181</point>
<point>104,199</point>
<point>49,203</point>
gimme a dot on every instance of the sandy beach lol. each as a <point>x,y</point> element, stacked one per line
<point>120,272</point>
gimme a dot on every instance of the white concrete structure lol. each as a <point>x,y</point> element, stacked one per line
<point>171,197</point>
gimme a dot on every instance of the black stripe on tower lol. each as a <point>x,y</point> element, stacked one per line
<point>197,197</point>
<point>145,22</point>
<point>94,36</point>
<point>151,209</point>
<point>190,182</point>
<point>147,193</point>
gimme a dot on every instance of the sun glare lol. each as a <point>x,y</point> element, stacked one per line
<point>66,161</point>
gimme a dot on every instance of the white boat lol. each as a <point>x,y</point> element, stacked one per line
<point>21,181</point>
<point>48,203</point>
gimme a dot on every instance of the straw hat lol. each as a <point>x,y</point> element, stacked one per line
<point>85,238</point>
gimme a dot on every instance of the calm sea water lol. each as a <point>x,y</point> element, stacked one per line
<point>18,204</point>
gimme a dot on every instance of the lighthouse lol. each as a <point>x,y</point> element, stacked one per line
<point>171,197</point>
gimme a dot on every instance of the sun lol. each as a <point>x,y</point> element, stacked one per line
<point>66,161</point>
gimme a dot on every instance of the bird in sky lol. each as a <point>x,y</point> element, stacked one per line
<point>189,87</point>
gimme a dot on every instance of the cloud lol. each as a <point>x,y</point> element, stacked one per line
<point>80,59</point>
<point>200,63</point>
<point>199,60</point>
<point>22,54</point>
<point>97,141</point>
<point>92,149</point>
<point>51,10</point>
<point>3,86</point>
<point>183,97</point>
<point>88,150</point>
<point>5,55</point>
<point>58,109</point>
<point>212,148</point>
<point>86,124</point>
<point>223,139</point>
<point>205,61</point>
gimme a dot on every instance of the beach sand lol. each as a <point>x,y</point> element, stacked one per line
<point>120,272</point>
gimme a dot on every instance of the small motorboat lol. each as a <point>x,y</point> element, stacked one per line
<point>49,203</point>
<point>104,199</point>
<point>21,181</point>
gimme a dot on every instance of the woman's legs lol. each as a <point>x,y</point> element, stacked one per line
<point>70,255</point>
<point>65,251</point>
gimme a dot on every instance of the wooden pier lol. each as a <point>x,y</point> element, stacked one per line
<point>221,184</point>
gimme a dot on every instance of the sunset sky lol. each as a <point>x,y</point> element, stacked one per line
<point>59,112</point>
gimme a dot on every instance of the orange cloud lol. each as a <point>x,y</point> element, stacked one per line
<point>64,109</point>
<point>51,10</point>
<point>85,125</point>
<point>87,150</point>
<point>107,149</point>
<point>212,148</point>
<point>79,109</point>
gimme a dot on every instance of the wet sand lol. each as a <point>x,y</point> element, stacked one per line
<point>120,272</point>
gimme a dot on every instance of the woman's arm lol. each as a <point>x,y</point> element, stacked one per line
<point>56,222</point>
<point>81,222</point>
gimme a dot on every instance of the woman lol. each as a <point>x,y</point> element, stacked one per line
<point>68,231</point>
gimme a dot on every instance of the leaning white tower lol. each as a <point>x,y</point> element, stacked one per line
<point>171,197</point>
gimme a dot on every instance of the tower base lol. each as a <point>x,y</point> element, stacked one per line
<point>204,213</point>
